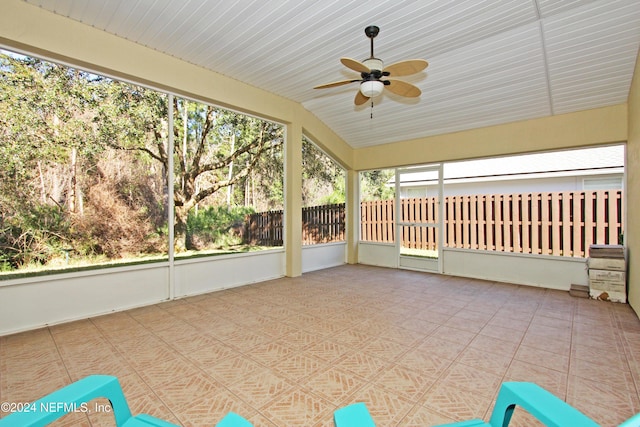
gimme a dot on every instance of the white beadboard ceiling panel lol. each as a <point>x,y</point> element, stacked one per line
<point>491,62</point>
<point>591,52</point>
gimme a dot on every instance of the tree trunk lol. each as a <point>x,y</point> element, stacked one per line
<point>182,237</point>
<point>73,190</point>
<point>43,190</point>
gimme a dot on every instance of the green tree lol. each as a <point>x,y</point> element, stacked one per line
<point>61,130</point>
<point>46,126</point>
<point>214,149</point>
<point>323,180</point>
<point>218,149</point>
<point>374,184</point>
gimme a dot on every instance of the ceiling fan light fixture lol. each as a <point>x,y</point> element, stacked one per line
<point>371,88</point>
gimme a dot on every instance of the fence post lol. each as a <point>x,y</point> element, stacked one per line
<point>612,199</point>
<point>555,232</point>
<point>482,223</point>
<point>565,198</point>
<point>516,223</point>
<point>578,224</point>
<point>588,219</point>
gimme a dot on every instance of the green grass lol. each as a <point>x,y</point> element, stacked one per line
<point>60,265</point>
<point>419,253</point>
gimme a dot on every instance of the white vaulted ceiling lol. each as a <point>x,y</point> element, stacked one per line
<point>491,62</point>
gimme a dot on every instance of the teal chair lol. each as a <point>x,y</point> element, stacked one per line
<point>547,408</point>
<point>632,422</point>
<point>76,396</point>
<point>354,415</point>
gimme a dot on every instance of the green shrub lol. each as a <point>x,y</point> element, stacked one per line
<point>217,226</point>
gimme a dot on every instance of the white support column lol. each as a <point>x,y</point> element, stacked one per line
<point>170,200</point>
<point>293,200</point>
<point>352,220</point>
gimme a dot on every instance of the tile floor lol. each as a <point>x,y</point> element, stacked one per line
<point>419,349</point>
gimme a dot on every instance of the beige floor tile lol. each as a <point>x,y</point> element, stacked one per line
<point>602,372</point>
<point>361,364</point>
<point>419,325</point>
<point>550,379</point>
<point>328,351</point>
<point>353,337</point>
<point>209,410</point>
<point>299,366</point>
<point>386,408</point>
<point>542,342</point>
<point>235,369</point>
<point>423,361</point>
<point>502,333</point>
<point>298,408</point>
<point>408,383</point>
<point>522,418</point>
<point>261,387</point>
<point>271,353</point>
<point>384,349</point>
<point>506,322</point>
<point>204,351</point>
<point>77,420</point>
<point>456,335</point>
<point>544,358</point>
<point>31,382</point>
<point>400,335</point>
<point>299,339</point>
<point>333,384</point>
<point>466,377</point>
<point>289,351</point>
<point>607,403</point>
<point>612,359</point>
<point>445,349</point>
<point>490,362</point>
<point>244,340</point>
<point>494,345</point>
<point>149,404</point>
<point>455,403</point>
<point>461,323</point>
<point>421,416</point>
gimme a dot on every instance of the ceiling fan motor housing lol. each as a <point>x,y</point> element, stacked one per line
<point>374,64</point>
<point>371,31</point>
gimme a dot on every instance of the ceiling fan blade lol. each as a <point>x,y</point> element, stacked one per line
<point>402,88</point>
<point>355,65</point>
<point>360,98</point>
<point>405,68</point>
<point>334,84</point>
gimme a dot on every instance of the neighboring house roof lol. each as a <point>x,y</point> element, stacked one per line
<point>589,161</point>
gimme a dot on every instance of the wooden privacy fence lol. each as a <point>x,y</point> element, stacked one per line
<point>320,224</point>
<point>561,223</point>
<point>264,228</point>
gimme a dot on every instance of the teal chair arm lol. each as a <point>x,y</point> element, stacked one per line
<point>233,420</point>
<point>354,415</point>
<point>632,422</point>
<point>75,398</point>
<point>546,407</point>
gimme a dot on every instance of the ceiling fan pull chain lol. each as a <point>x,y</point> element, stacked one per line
<point>372,109</point>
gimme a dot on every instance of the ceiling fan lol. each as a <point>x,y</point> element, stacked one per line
<point>372,71</point>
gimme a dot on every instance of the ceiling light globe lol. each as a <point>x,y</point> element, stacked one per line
<point>371,88</point>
